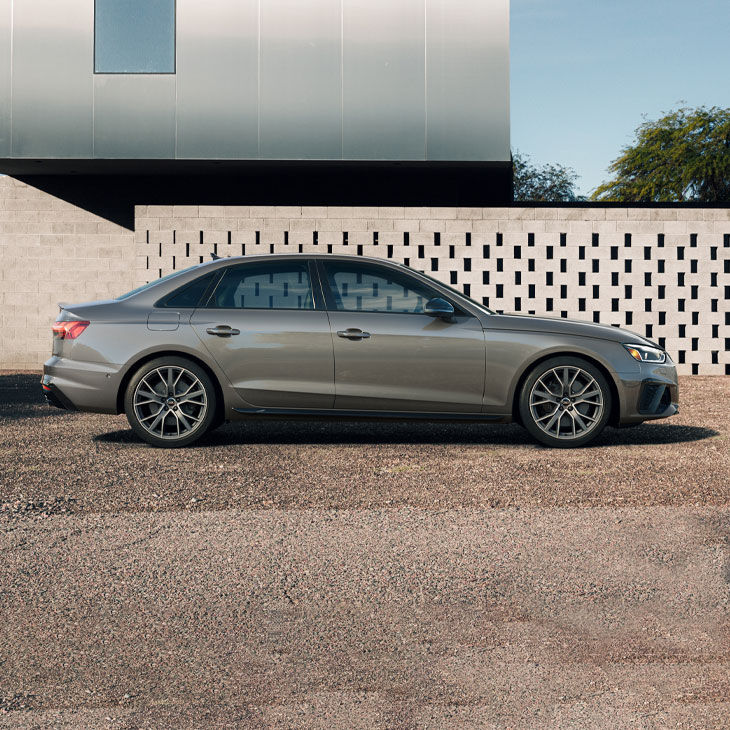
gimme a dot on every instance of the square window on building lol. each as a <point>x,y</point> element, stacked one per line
<point>134,36</point>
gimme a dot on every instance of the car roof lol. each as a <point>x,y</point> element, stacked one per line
<point>296,255</point>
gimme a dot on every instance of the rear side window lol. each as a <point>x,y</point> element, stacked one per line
<point>188,295</point>
<point>284,285</point>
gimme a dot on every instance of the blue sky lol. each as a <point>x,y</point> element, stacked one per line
<point>585,71</point>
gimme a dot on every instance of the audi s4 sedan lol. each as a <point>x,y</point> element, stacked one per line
<point>342,337</point>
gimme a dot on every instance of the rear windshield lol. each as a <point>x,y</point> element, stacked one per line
<point>155,282</point>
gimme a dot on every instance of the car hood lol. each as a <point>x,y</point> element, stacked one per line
<point>558,325</point>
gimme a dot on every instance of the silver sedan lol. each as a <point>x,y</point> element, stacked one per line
<point>344,337</point>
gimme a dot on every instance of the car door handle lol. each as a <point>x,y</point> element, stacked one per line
<point>353,334</point>
<point>223,330</point>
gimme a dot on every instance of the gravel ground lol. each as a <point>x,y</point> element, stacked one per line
<point>96,464</point>
<point>363,575</point>
<point>395,618</point>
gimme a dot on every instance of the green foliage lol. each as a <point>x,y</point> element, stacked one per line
<point>684,156</point>
<point>546,184</point>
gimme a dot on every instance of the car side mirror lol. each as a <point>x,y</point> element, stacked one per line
<point>440,308</point>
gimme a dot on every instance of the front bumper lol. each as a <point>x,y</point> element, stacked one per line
<point>81,386</point>
<point>652,395</point>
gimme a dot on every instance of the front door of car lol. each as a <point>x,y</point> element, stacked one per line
<point>389,355</point>
<point>270,334</point>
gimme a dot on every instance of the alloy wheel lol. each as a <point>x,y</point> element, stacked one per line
<point>566,402</point>
<point>170,402</point>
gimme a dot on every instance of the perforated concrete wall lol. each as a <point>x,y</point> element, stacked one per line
<point>664,273</point>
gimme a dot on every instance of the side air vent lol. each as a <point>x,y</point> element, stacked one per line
<point>655,398</point>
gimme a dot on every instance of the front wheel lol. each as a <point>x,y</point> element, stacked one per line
<point>565,402</point>
<point>170,402</point>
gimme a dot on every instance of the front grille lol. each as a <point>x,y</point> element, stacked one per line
<point>655,398</point>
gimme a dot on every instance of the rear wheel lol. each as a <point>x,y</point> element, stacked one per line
<point>170,402</point>
<point>565,402</point>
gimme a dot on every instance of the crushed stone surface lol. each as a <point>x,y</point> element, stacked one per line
<point>287,575</point>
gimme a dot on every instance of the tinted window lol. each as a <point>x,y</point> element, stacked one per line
<point>190,294</point>
<point>370,288</point>
<point>264,286</point>
<point>455,291</point>
<point>134,36</point>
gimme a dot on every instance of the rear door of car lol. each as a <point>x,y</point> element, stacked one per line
<point>389,355</point>
<point>266,326</point>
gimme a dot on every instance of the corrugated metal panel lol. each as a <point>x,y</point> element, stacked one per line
<point>273,79</point>
<point>217,68</point>
<point>467,79</point>
<point>5,95</point>
<point>134,116</point>
<point>53,46</point>
<point>300,93</point>
<point>383,80</point>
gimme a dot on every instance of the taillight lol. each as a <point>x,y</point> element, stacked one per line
<point>68,330</point>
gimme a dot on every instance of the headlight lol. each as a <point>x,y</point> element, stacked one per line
<point>645,353</point>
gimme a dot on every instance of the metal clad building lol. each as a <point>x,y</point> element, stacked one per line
<point>325,80</point>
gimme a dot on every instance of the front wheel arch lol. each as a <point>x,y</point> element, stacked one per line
<point>615,415</point>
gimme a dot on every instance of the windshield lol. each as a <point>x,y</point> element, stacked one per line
<point>156,281</point>
<point>451,289</point>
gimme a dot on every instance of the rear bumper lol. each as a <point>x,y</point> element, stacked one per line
<point>54,396</point>
<point>81,386</point>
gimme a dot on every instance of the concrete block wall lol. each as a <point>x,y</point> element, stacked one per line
<point>52,251</point>
<point>661,272</point>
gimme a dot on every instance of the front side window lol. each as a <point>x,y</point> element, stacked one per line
<point>134,36</point>
<point>264,286</point>
<point>359,287</point>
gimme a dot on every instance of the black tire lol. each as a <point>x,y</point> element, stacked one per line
<point>192,417</point>
<point>563,409</point>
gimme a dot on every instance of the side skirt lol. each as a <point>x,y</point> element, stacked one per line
<point>342,415</point>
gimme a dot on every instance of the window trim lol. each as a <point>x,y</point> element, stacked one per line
<point>332,302</point>
<point>317,303</point>
<point>141,73</point>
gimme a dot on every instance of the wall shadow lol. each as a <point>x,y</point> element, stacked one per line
<point>114,193</point>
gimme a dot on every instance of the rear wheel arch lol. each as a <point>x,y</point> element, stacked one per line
<point>134,367</point>
<point>615,402</point>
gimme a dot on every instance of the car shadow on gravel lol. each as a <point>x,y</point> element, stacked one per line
<point>21,396</point>
<point>344,433</point>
